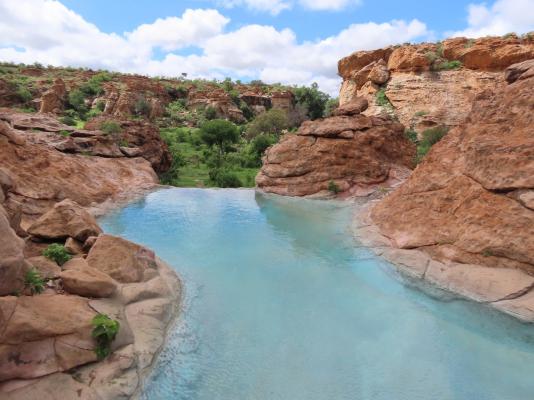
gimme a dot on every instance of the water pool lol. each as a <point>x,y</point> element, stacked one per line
<point>280,303</point>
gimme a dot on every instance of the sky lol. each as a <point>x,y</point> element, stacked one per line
<point>286,41</point>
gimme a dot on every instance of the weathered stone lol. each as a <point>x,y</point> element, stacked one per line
<point>354,107</point>
<point>74,246</point>
<point>48,269</point>
<point>52,100</point>
<point>124,261</point>
<point>12,264</point>
<point>88,282</point>
<point>67,218</point>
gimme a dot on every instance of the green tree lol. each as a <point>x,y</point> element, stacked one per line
<point>272,122</point>
<point>313,99</point>
<point>219,133</point>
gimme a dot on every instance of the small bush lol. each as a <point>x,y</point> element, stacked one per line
<point>411,135</point>
<point>68,120</point>
<point>105,331</point>
<point>64,133</point>
<point>100,105</point>
<point>110,127</point>
<point>33,281</point>
<point>142,107</point>
<point>224,178</point>
<point>333,187</point>
<point>382,100</point>
<point>210,113</point>
<point>448,65</point>
<point>273,122</point>
<point>430,137</point>
<point>77,101</point>
<point>57,252</point>
<point>23,94</point>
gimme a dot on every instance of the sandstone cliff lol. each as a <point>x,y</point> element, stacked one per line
<point>349,153</point>
<point>429,85</point>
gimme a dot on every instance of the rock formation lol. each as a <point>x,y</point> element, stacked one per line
<point>50,176</point>
<point>52,101</point>
<point>470,202</point>
<point>429,85</point>
<point>349,152</point>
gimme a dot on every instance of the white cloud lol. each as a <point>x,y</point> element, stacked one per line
<point>274,7</point>
<point>333,5</point>
<point>250,52</point>
<point>504,16</point>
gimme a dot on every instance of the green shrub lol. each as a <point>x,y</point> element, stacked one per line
<point>33,281</point>
<point>381,98</point>
<point>430,137</point>
<point>68,120</point>
<point>312,99</point>
<point>448,65</point>
<point>110,127</point>
<point>77,101</point>
<point>331,105</point>
<point>224,178</point>
<point>64,133</point>
<point>100,105</point>
<point>23,94</point>
<point>260,143</point>
<point>210,113</point>
<point>220,133</point>
<point>104,332</point>
<point>272,122</point>
<point>420,113</point>
<point>411,135</point>
<point>142,107</point>
<point>57,252</point>
<point>333,187</point>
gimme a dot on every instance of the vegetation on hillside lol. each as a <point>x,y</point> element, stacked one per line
<point>206,150</point>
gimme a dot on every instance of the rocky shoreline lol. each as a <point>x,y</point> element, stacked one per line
<point>507,290</point>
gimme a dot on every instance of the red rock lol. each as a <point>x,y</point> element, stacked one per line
<point>53,99</point>
<point>456,204</point>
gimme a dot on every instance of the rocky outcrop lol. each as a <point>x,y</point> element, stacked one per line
<point>217,99</point>
<point>12,264</point>
<point>138,138</point>
<point>350,153</point>
<point>470,201</point>
<point>44,170</point>
<point>428,85</point>
<point>53,100</point>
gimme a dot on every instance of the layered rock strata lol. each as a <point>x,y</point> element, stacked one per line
<point>428,85</point>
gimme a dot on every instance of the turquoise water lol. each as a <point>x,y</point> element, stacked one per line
<point>280,303</point>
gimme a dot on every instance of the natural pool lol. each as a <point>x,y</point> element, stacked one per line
<point>280,303</point>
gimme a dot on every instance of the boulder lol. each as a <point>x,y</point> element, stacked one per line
<point>53,99</point>
<point>44,334</point>
<point>379,74</point>
<point>74,246</point>
<point>79,278</point>
<point>124,261</point>
<point>12,264</point>
<point>66,218</point>
<point>354,107</point>
<point>48,269</point>
<point>355,153</point>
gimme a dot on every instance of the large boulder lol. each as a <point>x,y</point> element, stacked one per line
<point>12,264</point>
<point>352,152</point>
<point>65,219</point>
<point>79,278</point>
<point>124,261</point>
<point>44,334</point>
<point>469,199</point>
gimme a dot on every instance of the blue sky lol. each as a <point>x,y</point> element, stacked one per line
<point>288,41</point>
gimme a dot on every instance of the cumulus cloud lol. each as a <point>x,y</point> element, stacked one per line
<point>503,16</point>
<point>333,5</point>
<point>273,7</point>
<point>250,52</point>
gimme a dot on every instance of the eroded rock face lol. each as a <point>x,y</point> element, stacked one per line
<point>353,151</point>
<point>53,99</point>
<point>463,203</point>
<point>420,92</point>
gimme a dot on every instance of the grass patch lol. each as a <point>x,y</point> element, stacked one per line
<point>34,282</point>
<point>430,137</point>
